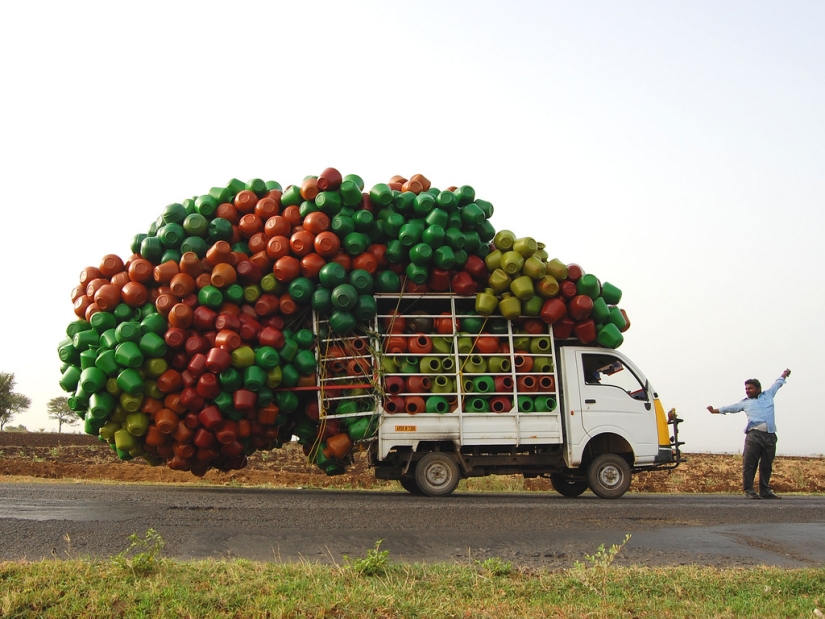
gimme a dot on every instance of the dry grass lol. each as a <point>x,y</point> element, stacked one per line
<point>44,456</point>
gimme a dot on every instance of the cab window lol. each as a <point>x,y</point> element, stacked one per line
<point>608,371</point>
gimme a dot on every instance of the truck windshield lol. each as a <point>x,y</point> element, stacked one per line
<point>609,371</point>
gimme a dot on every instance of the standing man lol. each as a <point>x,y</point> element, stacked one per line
<point>760,435</point>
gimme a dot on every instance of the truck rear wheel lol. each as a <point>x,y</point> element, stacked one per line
<point>409,484</point>
<point>568,487</point>
<point>609,476</point>
<point>437,474</point>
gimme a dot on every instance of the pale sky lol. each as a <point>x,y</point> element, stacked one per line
<point>675,150</point>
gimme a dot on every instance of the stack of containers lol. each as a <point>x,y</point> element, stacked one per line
<point>522,281</point>
<point>446,358</point>
<point>200,348</point>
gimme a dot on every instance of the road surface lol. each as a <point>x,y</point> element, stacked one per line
<point>63,520</point>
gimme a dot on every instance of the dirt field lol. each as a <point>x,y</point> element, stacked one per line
<point>27,456</point>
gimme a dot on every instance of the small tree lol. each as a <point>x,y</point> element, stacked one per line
<point>11,403</point>
<point>59,411</point>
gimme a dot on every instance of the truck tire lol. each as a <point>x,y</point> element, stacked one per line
<point>609,476</point>
<point>410,485</point>
<point>437,474</point>
<point>568,487</point>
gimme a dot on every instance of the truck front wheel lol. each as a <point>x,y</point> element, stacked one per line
<point>568,487</point>
<point>437,474</point>
<point>609,476</point>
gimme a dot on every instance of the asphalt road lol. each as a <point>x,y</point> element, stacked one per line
<point>534,530</point>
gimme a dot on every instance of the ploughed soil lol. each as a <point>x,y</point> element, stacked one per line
<point>25,456</point>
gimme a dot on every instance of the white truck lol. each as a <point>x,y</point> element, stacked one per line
<point>453,395</point>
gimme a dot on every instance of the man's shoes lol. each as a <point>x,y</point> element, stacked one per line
<point>752,495</point>
<point>770,494</point>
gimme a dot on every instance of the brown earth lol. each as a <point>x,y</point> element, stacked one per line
<point>25,456</point>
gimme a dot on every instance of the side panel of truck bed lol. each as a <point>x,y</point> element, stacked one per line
<point>470,429</point>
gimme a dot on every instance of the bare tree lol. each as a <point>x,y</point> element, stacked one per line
<point>11,403</point>
<point>59,411</point>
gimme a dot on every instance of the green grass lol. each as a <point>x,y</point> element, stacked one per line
<point>141,583</point>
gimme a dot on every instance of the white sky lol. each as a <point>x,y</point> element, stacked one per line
<point>673,149</point>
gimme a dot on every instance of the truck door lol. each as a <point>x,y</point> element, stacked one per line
<point>614,398</point>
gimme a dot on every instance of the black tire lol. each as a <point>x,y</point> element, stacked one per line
<point>609,476</point>
<point>408,483</point>
<point>568,487</point>
<point>437,474</point>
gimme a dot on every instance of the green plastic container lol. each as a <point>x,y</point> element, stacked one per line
<point>332,274</point>
<point>437,404</point>
<point>231,379</point>
<point>70,378</point>
<point>509,306</point>
<point>87,358</point>
<point>83,340</point>
<point>342,322</point>
<point>322,300</point>
<point>301,289</point>
<point>499,365</point>
<point>526,404</point>
<point>610,336</point>
<point>474,364</point>
<point>102,321</point>
<point>366,309</point>
<point>243,357</point>
<point>477,404</point>
<point>526,246</point>
<point>484,384</point>
<point>344,297</point>
<point>305,362</point>
<point>128,355</point>
<point>137,424</point>
<point>600,312</point>
<point>455,238</point>
<point>611,294</point>
<point>504,240</point>
<point>486,302</point>
<point>388,281</point>
<point>589,285</point>
<point>381,195</point>
<point>421,254</point>
<point>431,365</point>
<point>522,288</point>
<point>254,378</point>
<point>410,234</point>
<point>541,346</point>
<point>512,263</point>
<point>443,384</point>
<point>444,257</point>
<point>210,296</point>
<point>532,306</point>
<point>101,404</point>
<point>152,345</point>
<point>417,273</point>
<point>544,404</point>
<point>434,236</point>
<point>362,281</point>
<point>130,381</point>
<point>92,379</point>
<point>106,362</point>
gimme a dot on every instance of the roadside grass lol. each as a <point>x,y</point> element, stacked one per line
<point>377,587</point>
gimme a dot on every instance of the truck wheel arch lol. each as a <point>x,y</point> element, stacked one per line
<point>607,443</point>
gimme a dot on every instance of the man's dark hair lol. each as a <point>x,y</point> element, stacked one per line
<point>755,383</point>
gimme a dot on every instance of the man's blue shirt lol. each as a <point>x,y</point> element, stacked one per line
<point>758,409</point>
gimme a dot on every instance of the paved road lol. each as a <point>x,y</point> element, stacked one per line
<point>541,530</point>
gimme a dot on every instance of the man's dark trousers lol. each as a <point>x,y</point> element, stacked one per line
<point>760,450</point>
